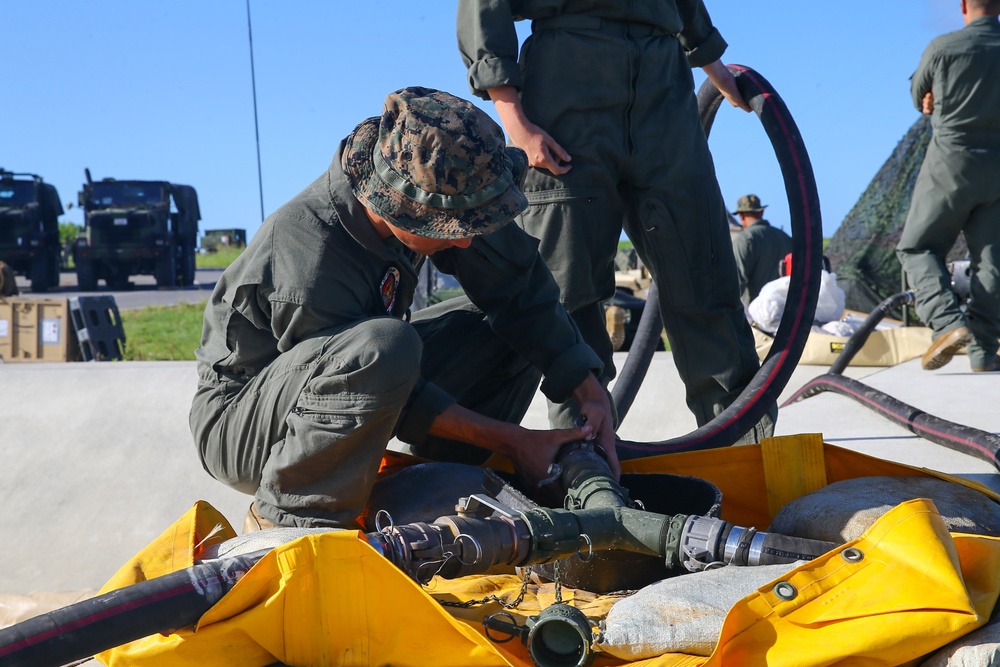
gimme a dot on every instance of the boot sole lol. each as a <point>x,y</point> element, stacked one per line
<point>944,355</point>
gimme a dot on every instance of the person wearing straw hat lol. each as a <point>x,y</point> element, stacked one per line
<point>310,362</point>
<point>759,248</point>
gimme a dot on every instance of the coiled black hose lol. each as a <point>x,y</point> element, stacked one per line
<point>965,439</point>
<point>796,321</point>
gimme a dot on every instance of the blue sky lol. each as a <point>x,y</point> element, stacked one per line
<point>149,89</point>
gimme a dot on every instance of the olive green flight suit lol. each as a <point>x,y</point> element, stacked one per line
<point>611,82</point>
<point>759,249</point>
<point>958,187</point>
<point>308,365</point>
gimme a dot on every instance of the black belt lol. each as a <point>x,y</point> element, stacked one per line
<point>585,22</point>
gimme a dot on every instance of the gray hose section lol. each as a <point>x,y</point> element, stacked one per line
<point>965,439</point>
<point>640,354</point>
<point>786,549</point>
<point>793,330</point>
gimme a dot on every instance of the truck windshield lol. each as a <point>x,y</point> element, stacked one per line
<point>16,193</point>
<point>103,195</point>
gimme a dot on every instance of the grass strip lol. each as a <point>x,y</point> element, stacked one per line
<point>162,333</point>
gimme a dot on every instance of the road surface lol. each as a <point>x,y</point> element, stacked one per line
<point>143,292</point>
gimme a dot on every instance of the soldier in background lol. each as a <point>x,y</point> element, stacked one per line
<point>759,248</point>
<point>958,189</point>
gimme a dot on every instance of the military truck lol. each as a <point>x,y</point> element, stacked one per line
<point>29,228</point>
<point>223,238</point>
<point>136,228</point>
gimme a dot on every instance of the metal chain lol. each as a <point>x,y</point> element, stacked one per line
<point>514,604</point>
<point>558,582</point>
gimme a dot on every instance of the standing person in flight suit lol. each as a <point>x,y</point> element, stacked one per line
<point>958,189</point>
<point>602,101</point>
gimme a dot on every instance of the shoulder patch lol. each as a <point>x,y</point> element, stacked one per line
<point>388,288</point>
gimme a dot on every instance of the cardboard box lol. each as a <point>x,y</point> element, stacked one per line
<point>36,330</point>
<point>886,347</point>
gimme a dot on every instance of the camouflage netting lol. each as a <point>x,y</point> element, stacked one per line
<point>862,251</point>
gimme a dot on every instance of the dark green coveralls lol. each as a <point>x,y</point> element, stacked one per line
<point>308,366</point>
<point>958,188</point>
<point>611,82</point>
<point>759,249</point>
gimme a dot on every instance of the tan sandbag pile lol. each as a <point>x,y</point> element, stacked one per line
<point>683,614</point>
<point>980,648</point>
<point>843,510</point>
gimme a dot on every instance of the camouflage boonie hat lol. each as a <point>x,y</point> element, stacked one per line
<point>436,166</point>
<point>748,204</point>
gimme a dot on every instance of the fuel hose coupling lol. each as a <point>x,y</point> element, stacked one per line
<point>559,636</point>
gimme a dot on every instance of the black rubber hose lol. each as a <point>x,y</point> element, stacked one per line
<point>965,439</point>
<point>640,354</point>
<point>859,337</point>
<point>787,549</point>
<point>88,627</point>
<point>800,308</point>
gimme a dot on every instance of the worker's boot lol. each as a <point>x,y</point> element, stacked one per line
<point>254,521</point>
<point>991,366</point>
<point>944,347</point>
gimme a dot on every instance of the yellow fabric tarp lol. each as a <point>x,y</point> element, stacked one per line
<point>329,599</point>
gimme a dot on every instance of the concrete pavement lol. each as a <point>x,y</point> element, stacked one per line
<point>97,458</point>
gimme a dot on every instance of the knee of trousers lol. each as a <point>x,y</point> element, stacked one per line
<point>379,355</point>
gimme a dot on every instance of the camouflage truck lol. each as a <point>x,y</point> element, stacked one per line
<point>136,228</point>
<point>29,228</point>
<point>223,238</point>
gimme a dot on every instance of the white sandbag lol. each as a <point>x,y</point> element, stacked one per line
<point>831,300</point>
<point>838,328</point>
<point>980,648</point>
<point>766,308</point>
<point>843,510</point>
<point>683,614</point>
<point>260,540</point>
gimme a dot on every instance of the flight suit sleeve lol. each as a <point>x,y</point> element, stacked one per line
<point>426,402</point>
<point>922,81</point>
<point>488,43</point>
<point>504,276</point>
<point>701,40</point>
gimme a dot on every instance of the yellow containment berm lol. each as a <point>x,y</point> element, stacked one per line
<point>330,599</point>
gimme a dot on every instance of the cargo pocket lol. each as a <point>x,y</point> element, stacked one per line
<point>680,253</point>
<point>577,230</point>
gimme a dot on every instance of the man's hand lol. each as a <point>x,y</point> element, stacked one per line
<point>543,151</point>
<point>724,80</point>
<point>595,405</point>
<point>534,451</point>
<point>928,104</point>
<point>531,451</point>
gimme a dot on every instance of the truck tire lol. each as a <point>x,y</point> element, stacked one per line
<point>86,278</point>
<point>40,274</point>
<point>189,266</point>
<point>166,271</point>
